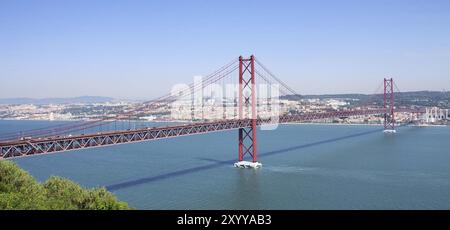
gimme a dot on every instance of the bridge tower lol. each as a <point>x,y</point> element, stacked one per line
<point>247,110</point>
<point>389,119</point>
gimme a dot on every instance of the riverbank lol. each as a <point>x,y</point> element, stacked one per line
<point>324,123</point>
<point>362,124</point>
<point>182,121</point>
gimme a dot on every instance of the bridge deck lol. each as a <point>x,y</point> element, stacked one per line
<point>19,148</point>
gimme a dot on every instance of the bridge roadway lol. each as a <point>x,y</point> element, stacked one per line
<point>34,146</point>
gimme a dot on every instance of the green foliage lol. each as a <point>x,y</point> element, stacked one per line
<point>19,190</point>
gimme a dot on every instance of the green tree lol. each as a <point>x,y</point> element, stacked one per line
<point>19,190</point>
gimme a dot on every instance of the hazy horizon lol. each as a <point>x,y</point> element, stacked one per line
<point>141,99</point>
<point>140,49</point>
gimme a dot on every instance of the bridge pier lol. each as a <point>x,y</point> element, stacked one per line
<point>247,101</point>
<point>389,119</point>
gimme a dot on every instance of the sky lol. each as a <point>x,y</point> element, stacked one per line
<point>140,49</point>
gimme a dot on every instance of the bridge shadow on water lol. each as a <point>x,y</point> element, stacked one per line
<point>218,163</point>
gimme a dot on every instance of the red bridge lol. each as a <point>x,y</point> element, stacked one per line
<point>67,137</point>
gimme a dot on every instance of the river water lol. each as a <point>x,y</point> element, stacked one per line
<point>304,167</point>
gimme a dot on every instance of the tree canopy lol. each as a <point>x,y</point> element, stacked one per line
<point>19,190</point>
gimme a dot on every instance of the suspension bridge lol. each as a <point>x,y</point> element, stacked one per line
<point>246,73</point>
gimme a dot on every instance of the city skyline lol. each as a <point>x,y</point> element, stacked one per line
<point>140,50</point>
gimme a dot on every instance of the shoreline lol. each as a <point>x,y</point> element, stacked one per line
<point>178,121</point>
<point>324,123</point>
<point>74,120</point>
<point>362,124</point>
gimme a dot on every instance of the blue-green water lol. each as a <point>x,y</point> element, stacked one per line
<point>304,167</point>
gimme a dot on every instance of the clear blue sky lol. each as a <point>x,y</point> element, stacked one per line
<point>139,49</point>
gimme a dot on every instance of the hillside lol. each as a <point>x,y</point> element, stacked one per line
<point>420,98</point>
<point>44,101</point>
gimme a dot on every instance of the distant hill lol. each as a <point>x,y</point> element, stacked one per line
<point>44,101</point>
<point>410,94</point>
<point>420,98</point>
